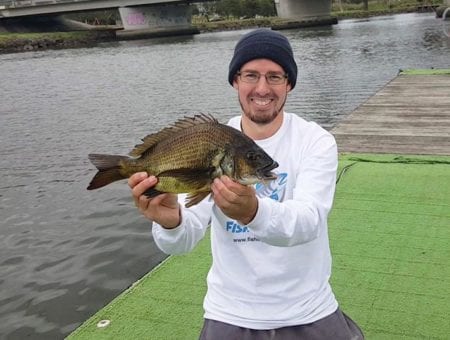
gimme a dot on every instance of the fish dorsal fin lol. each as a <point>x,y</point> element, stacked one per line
<point>151,140</point>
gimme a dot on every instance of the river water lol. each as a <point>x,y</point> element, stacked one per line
<point>64,251</point>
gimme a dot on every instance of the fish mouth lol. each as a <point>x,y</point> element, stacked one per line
<point>266,173</point>
<point>262,175</point>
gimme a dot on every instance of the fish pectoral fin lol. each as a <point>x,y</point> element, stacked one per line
<point>195,198</point>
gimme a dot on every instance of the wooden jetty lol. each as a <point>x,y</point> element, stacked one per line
<point>410,115</point>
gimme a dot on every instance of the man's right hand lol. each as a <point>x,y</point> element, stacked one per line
<point>164,209</point>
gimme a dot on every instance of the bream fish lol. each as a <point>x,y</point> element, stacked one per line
<point>186,157</point>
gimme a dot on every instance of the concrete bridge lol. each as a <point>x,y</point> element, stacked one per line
<point>149,16</point>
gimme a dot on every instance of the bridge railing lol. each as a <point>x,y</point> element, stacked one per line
<point>30,3</point>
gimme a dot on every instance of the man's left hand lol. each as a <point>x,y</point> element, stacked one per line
<point>237,201</point>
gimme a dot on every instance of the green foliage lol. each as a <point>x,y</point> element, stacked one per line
<point>227,9</point>
<point>380,5</point>
<point>101,17</point>
<point>8,37</point>
<point>237,8</point>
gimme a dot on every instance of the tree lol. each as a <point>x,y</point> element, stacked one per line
<point>250,8</point>
<point>229,8</point>
<point>267,8</point>
<point>237,8</point>
<point>366,5</point>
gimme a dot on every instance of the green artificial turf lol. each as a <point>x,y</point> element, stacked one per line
<point>166,304</point>
<point>390,239</point>
<point>430,71</point>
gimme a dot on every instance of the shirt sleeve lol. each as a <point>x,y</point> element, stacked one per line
<point>302,218</point>
<point>184,238</point>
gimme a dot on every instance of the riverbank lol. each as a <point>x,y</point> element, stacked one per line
<point>22,42</point>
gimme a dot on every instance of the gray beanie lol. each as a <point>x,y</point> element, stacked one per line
<point>264,43</point>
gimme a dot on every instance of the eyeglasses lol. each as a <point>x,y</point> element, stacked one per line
<point>272,78</point>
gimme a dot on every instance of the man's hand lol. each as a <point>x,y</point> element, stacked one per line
<point>163,209</point>
<point>237,201</point>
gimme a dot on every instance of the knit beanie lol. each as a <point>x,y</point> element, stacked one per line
<point>264,43</point>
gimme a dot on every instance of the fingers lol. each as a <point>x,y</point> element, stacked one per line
<point>163,209</point>
<point>230,190</point>
<point>221,190</point>
<point>136,178</point>
<point>237,201</point>
<point>230,196</point>
<point>142,185</point>
<point>139,183</point>
<point>167,200</point>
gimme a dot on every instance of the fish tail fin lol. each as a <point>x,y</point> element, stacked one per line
<point>109,167</point>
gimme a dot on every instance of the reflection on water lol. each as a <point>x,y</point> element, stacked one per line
<point>65,252</point>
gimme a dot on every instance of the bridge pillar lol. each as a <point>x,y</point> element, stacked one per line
<point>304,13</point>
<point>160,20</point>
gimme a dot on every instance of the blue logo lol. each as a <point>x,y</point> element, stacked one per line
<point>275,189</point>
<point>236,228</point>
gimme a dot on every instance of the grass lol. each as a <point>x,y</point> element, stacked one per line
<point>383,5</point>
<point>50,35</point>
<point>425,72</point>
<point>13,42</point>
<point>376,8</point>
<point>390,238</point>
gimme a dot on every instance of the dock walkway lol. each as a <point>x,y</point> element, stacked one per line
<point>410,115</point>
<point>389,232</point>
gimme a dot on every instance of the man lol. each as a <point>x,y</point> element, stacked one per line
<point>271,256</point>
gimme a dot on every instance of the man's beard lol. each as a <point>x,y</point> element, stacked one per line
<point>263,119</point>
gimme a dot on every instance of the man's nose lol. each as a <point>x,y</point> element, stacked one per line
<point>262,85</point>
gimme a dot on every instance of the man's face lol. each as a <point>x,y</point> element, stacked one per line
<point>260,101</point>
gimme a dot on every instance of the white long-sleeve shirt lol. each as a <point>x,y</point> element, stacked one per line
<point>274,271</point>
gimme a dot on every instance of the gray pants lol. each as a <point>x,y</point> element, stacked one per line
<point>336,326</point>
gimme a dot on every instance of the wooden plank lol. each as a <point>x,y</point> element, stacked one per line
<point>422,145</point>
<point>411,115</point>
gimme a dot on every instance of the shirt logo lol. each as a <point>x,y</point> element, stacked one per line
<point>236,228</point>
<point>274,189</point>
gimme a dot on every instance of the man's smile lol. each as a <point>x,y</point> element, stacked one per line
<point>261,101</point>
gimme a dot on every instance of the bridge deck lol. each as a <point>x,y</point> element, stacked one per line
<point>18,8</point>
<point>410,115</point>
